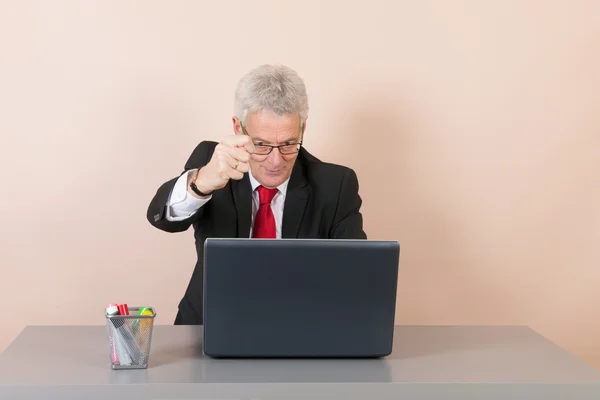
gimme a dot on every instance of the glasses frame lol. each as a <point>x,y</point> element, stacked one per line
<point>299,144</point>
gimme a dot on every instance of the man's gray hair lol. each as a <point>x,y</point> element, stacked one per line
<point>274,88</point>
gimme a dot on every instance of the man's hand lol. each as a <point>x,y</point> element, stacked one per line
<point>229,161</point>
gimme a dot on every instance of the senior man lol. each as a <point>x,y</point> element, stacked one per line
<point>259,182</point>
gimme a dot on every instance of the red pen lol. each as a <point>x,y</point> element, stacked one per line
<point>123,310</point>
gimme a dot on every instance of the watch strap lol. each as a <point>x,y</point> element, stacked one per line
<point>194,187</point>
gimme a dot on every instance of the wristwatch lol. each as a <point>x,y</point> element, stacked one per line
<point>194,187</point>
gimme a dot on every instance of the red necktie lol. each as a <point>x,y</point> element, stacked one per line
<point>264,222</point>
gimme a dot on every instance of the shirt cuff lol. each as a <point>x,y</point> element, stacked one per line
<point>181,204</point>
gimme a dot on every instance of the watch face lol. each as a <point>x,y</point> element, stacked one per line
<point>194,176</point>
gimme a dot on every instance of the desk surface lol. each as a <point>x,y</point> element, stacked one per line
<point>72,359</point>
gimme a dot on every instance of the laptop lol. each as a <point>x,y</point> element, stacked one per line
<point>298,298</point>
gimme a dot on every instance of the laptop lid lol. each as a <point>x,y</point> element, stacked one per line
<point>299,297</point>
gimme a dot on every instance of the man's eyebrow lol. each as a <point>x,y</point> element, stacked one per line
<point>291,140</point>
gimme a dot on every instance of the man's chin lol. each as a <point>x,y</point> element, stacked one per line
<point>272,181</point>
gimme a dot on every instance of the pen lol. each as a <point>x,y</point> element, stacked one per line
<point>128,337</point>
<point>118,352</point>
<point>114,357</point>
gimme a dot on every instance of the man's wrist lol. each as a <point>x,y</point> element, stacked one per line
<point>196,188</point>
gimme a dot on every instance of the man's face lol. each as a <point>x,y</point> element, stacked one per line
<point>265,128</point>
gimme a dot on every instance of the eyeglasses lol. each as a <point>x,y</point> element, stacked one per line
<point>284,149</point>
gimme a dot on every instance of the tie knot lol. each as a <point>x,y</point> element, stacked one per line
<point>266,195</point>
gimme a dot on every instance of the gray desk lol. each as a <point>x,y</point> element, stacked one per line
<point>428,362</point>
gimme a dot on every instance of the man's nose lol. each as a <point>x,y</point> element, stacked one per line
<point>275,157</point>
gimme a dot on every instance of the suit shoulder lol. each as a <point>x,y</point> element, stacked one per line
<point>334,169</point>
<point>326,173</point>
<point>312,162</point>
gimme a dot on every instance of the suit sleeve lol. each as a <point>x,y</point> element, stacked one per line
<point>157,210</point>
<point>348,220</point>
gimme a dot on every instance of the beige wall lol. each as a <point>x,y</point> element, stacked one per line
<point>474,127</point>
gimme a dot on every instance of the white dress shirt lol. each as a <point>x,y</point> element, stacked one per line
<point>182,205</point>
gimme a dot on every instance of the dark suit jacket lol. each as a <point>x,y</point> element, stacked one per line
<point>322,202</point>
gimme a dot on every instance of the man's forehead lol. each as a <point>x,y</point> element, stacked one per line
<point>269,120</point>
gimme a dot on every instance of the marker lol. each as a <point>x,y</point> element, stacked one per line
<point>123,309</point>
<point>145,311</point>
<point>145,321</point>
<point>142,325</point>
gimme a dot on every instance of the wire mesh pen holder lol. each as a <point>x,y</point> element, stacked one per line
<point>129,338</point>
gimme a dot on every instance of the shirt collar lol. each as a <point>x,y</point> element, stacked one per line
<point>282,188</point>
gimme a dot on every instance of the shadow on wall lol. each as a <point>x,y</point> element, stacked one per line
<point>403,200</point>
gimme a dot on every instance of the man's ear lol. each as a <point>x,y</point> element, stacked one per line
<point>237,126</point>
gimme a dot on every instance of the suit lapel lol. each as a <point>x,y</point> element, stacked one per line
<point>296,199</point>
<point>242,197</point>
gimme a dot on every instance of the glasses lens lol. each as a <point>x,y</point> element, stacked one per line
<point>262,150</point>
<point>289,149</point>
